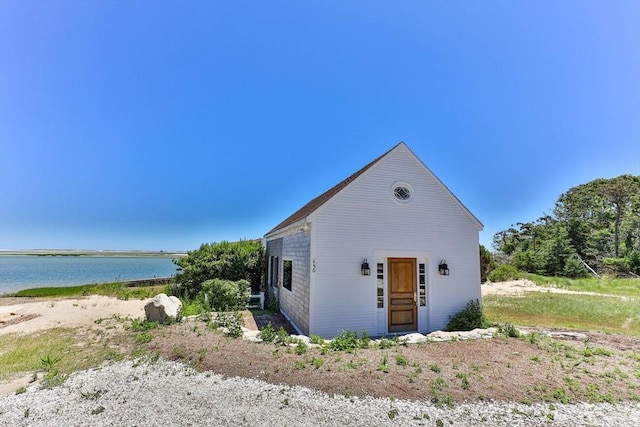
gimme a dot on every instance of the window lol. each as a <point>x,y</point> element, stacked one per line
<point>402,191</point>
<point>273,271</point>
<point>380,281</point>
<point>287,273</point>
<point>422,277</point>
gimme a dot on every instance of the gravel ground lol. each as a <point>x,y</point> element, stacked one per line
<point>170,393</point>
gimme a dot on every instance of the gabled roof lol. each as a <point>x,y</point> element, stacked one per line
<point>316,203</point>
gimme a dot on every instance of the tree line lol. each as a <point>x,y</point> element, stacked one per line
<point>593,226</point>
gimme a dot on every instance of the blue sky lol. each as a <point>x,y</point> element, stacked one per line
<point>161,125</point>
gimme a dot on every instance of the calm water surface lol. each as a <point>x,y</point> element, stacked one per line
<point>20,272</point>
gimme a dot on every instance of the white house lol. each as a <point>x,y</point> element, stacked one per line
<point>370,253</point>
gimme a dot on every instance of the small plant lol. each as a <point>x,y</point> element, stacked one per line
<point>282,336</point>
<point>508,330</point>
<point>143,338</point>
<point>92,396</point>
<point>533,337</point>
<point>316,339</point>
<point>301,348</point>
<point>21,390</point>
<point>385,343</point>
<point>346,340</point>
<point>401,360</point>
<point>465,383</point>
<point>364,340</point>
<point>434,367</point>
<point>267,334</point>
<point>98,410</point>
<point>471,317</point>
<point>317,362</point>
<point>176,353</point>
<point>50,365</point>
<point>384,365</point>
<point>392,413</point>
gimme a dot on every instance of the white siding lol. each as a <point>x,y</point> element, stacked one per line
<point>365,219</point>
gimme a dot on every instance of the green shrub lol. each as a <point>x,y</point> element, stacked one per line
<point>224,295</point>
<point>233,323</point>
<point>503,273</point>
<point>236,261</point>
<point>471,317</point>
<point>345,341</point>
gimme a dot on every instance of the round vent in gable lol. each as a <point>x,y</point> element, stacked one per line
<point>402,191</point>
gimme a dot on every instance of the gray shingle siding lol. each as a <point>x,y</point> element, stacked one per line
<point>294,303</point>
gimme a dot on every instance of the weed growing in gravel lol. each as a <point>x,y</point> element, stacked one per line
<point>98,410</point>
<point>52,377</point>
<point>434,367</point>
<point>92,396</point>
<point>393,412</point>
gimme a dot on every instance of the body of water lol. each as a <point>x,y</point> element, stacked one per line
<point>21,272</point>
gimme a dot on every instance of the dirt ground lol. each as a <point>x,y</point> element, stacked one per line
<point>498,369</point>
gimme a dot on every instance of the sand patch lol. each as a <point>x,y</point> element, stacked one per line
<point>29,317</point>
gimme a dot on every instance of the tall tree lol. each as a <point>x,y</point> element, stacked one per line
<point>598,222</point>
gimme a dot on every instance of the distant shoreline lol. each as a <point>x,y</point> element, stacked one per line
<point>108,253</point>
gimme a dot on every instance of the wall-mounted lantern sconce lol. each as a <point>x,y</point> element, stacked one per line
<point>364,268</point>
<point>443,268</point>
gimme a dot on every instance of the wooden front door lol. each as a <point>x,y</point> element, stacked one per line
<point>402,295</point>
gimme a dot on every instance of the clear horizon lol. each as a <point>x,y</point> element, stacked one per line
<point>138,126</point>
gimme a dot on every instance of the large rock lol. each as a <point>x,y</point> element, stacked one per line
<point>162,308</point>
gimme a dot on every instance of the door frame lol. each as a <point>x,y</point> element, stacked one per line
<point>423,312</point>
<point>411,296</point>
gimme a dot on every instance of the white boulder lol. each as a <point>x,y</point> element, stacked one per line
<point>162,308</point>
